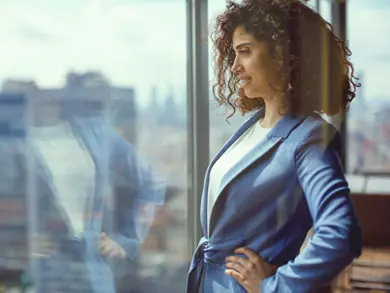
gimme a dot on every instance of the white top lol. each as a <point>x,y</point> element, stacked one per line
<point>71,167</point>
<point>246,142</point>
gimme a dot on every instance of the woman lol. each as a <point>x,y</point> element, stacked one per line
<point>96,197</point>
<point>280,173</point>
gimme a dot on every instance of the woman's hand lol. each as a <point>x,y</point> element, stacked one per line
<point>109,248</point>
<point>249,272</point>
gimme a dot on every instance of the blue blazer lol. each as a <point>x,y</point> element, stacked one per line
<point>291,180</point>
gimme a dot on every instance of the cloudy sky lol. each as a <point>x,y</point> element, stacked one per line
<point>142,43</point>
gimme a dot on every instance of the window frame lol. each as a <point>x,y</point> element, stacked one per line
<point>198,127</point>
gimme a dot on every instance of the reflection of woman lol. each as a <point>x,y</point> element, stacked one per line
<point>280,173</point>
<point>78,160</point>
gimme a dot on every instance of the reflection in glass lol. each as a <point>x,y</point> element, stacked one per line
<point>95,195</point>
<point>91,128</point>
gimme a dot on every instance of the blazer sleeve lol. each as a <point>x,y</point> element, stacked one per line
<point>146,189</point>
<point>337,238</point>
<point>135,171</point>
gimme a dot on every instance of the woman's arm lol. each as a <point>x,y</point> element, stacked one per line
<point>141,192</point>
<point>337,238</point>
<point>146,189</point>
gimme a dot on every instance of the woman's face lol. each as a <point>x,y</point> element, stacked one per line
<point>253,65</point>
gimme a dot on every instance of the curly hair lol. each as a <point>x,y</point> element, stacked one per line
<point>311,61</point>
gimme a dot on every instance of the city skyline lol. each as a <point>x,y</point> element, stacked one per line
<point>120,39</point>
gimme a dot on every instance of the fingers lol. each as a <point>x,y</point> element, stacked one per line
<point>248,252</point>
<point>106,250</point>
<point>254,258</point>
<point>253,262</point>
<point>257,260</point>
<point>236,275</point>
<point>237,266</point>
<point>249,269</point>
<point>106,246</point>
<point>243,262</point>
<point>241,269</point>
<point>110,249</point>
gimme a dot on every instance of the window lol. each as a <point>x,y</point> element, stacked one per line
<point>325,9</point>
<point>368,162</point>
<point>93,137</point>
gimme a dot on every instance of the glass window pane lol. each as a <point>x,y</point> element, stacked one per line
<point>368,122</point>
<point>312,4</point>
<point>325,9</point>
<point>93,146</point>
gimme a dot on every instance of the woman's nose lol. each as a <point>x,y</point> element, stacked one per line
<point>236,67</point>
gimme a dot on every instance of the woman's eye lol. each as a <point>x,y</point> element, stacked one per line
<point>243,51</point>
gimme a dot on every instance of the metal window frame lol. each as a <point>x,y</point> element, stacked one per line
<point>198,127</point>
<point>339,22</point>
<point>318,6</point>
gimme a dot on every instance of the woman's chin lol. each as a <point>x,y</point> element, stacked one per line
<point>252,94</point>
<point>249,94</point>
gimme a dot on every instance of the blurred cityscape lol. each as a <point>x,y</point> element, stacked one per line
<point>368,138</point>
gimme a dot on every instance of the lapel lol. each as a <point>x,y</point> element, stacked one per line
<point>92,138</point>
<point>96,141</point>
<point>230,141</point>
<point>87,135</point>
<point>279,132</point>
<point>42,170</point>
<point>43,185</point>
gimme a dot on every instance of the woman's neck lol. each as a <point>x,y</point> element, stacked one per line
<point>272,112</point>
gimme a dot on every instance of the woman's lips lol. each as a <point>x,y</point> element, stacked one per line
<point>244,82</point>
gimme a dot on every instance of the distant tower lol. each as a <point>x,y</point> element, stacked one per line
<point>154,99</point>
<point>89,79</point>
<point>170,104</point>
<point>153,109</point>
<point>169,113</point>
<point>19,86</point>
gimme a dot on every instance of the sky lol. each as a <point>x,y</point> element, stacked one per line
<point>143,43</point>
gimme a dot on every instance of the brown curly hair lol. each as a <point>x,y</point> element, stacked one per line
<point>311,60</point>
